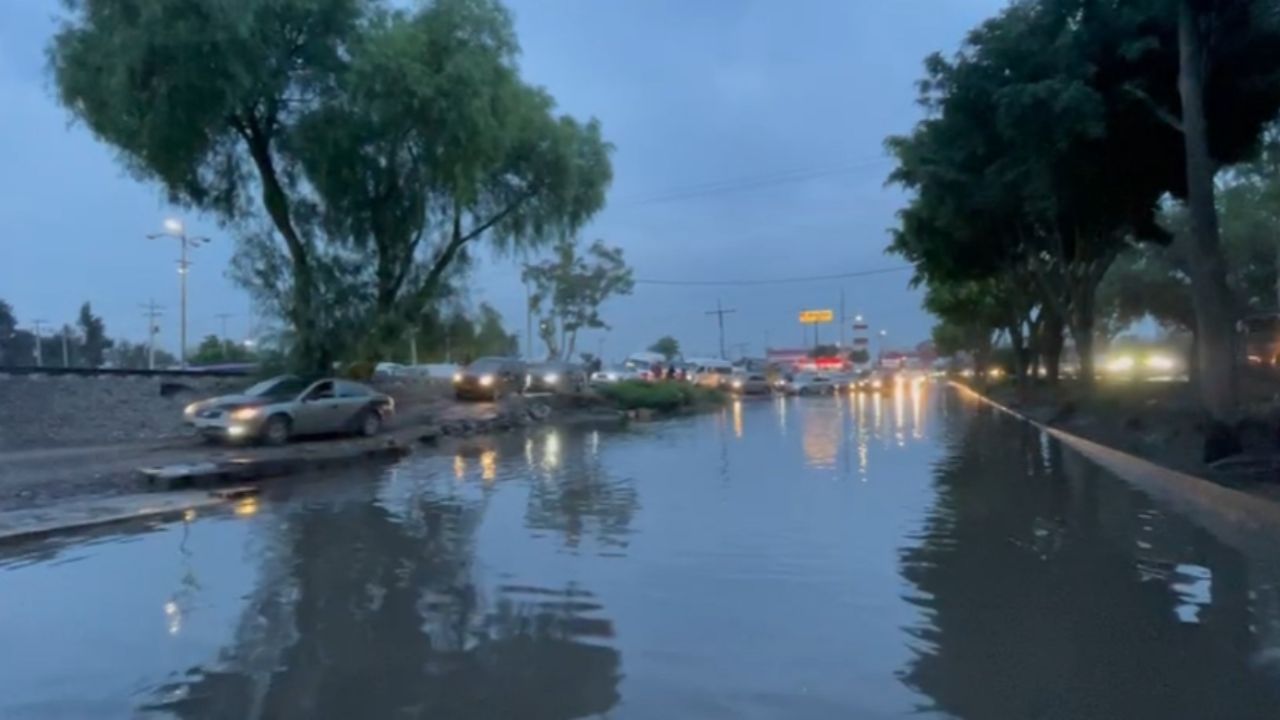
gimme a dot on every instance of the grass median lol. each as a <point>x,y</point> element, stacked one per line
<point>662,397</point>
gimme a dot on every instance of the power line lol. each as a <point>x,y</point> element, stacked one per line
<point>751,183</point>
<point>777,281</point>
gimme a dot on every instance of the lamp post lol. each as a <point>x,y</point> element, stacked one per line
<point>173,228</point>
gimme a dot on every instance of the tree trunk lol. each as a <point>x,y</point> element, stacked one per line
<point>1051,347</point>
<point>1017,342</point>
<point>309,352</point>
<point>1215,321</point>
<point>1081,327</point>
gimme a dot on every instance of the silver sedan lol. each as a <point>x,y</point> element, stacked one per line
<point>284,407</point>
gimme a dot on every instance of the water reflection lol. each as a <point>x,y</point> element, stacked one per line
<point>377,610</point>
<point>1037,601</point>
<point>986,574</point>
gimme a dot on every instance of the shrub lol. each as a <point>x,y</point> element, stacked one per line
<point>659,396</point>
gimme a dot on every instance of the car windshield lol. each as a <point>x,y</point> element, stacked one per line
<point>277,387</point>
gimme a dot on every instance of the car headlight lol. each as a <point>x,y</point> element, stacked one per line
<point>1120,364</point>
<point>486,380</point>
<point>457,377</point>
<point>190,410</point>
<point>551,378</point>
<point>1162,363</point>
<point>248,413</point>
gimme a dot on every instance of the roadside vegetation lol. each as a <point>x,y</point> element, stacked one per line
<point>1086,164</point>
<point>662,397</point>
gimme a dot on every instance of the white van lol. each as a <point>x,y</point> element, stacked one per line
<point>642,363</point>
<point>710,372</point>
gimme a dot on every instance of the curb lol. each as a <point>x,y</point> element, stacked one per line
<point>20,525</point>
<point>1235,517</point>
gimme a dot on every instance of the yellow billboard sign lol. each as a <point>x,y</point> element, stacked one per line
<point>816,317</point>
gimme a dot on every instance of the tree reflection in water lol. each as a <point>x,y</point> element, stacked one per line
<point>1051,590</point>
<point>366,612</point>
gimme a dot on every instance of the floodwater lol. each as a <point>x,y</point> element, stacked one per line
<point>914,555</point>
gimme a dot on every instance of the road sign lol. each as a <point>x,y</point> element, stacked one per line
<point>816,317</point>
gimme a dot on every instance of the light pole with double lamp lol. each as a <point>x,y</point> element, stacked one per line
<point>173,228</point>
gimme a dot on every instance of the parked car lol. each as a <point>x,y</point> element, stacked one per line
<point>749,384</point>
<point>710,372</point>
<point>555,376</point>
<point>489,379</point>
<point>813,384</point>
<point>275,410</point>
<point>609,376</point>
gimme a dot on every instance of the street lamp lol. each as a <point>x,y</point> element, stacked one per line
<point>173,228</point>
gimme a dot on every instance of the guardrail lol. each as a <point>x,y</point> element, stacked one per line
<point>83,372</point>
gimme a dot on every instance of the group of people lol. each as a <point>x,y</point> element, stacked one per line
<point>670,372</point>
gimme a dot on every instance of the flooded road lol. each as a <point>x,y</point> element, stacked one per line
<point>913,555</point>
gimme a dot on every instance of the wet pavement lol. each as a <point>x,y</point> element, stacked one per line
<point>913,555</point>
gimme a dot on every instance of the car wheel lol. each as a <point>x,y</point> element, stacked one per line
<point>276,430</point>
<point>371,423</point>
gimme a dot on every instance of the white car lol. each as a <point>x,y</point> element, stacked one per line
<point>812,384</point>
<point>609,376</point>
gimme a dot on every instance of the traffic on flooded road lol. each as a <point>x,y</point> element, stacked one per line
<point>864,555</point>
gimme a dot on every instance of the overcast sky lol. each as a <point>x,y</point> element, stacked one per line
<point>749,147</point>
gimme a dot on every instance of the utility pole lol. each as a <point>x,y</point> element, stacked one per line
<point>174,228</point>
<point>152,314</point>
<point>38,324</point>
<point>720,312</point>
<point>223,317</point>
<point>528,322</point>
<point>413,345</point>
<point>66,355</point>
<point>841,318</point>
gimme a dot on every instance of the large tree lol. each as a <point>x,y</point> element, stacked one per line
<point>999,191</point>
<point>204,98</point>
<point>1211,73</point>
<point>379,143</point>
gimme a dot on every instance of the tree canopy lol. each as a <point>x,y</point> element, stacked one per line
<point>571,286</point>
<point>666,346</point>
<point>1049,144</point>
<point>357,149</point>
